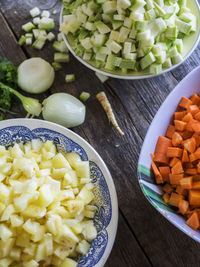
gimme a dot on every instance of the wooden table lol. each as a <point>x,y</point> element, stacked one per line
<point>144,237</point>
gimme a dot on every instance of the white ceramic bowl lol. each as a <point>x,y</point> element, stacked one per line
<point>190,43</point>
<point>188,86</point>
<point>106,216</point>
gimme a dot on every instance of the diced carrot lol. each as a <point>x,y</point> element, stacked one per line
<point>166,198</point>
<point>170,131</point>
<point>188,117</point>
<point>195,99</point>
<point>196,155</point>
<point>181,191</point>
<point>174,152</point>
<point>190,144</point>
<point>175,199</point>
<point>194,197</point>
<point>185,157</point>
<point>180,125</point>
<point>196,178</point>
<point>193,221</point>
<point>164,171</point>
<point>196,185</point>
<point>152,156</point>
<point>173,162</point>
<point>196,127</point>
<point>186,182</point>
<point>177,168</point>
<point>176,139</point>
<point>183,206</point>
<point>189,125</point>
<point>167,188</point>
<point>186,134</point>
<point>193,109</point>
<point>161,150</point>
<point>175,178</point>
<point>192,171</point>
<point>197,139</point>
<point>185,102</point>
<point>159,179</point>
<point>178,115</point>
<point>197,116</point>
<point>189,165</point>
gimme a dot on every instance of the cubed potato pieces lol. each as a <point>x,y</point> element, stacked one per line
<point>6,246</point>
<point>73,158</point>
<point>5,232</point>
<point>69,263</point>
<point>22,201</point>
<point>46,196</point>
<point>34,211</point>
<point>4,192</point>
<point>31,263</point>
<point>48,240</point>
<point>7,213</point>
<point>59,162</point>
<point>83,247</point>
<point>16,220</point>
<point>86,195</point>
<point>5,262</point>
<point>82,169</point>
<point>40,252</point>
<point>15,253</point>
<point>35,229</point>
<point>75,206</point>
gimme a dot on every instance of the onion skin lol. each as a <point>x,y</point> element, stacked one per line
<point>64,109</point>
<point>35,75</point>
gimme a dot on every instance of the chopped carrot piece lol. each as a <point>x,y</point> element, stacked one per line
<point>183,206</point>
<point>189,165</point>
<point>185,157</point>
<point>194,197</point>
<point>188,117</point>
<point>196,178</point>
<point>176,139</point>
<point>178,115</point>
<point>190,144</point>
<point>152,156</point>
<point>185,102</point>
<point>186,182</point>
<point>195,99</point>
<point>192,171</point>
<point>196,185</point>
<point>196,155</point>
<point>186,135</point>
<point>177,168</point>
<point>181,191</point>
<point>189,125</point>
<point>175,199</point>
<point>197,116</point>
<point>161,150</point>
<point>197,139</point>
<point>173,162</point>
<point>167,188</point>
<point>180,125</point>
<point>164,171</point>
<point>174,152</point>
<point>166,198</point>
<point>159,179</point>
<point>196,127</point>
<point>193,109</point>
<point>175,178</point>
<point>193,221</point>
<point>170,131</point>
<point>198,167</point>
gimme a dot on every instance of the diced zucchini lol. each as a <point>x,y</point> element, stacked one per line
<point>69,78</point>
<point>109,7</point>
<point>147,60</point>
<point>155,68</point>
<point>59,37</point>
<point>46,24</point>
<point>177,59</point>
<point>22,40</point>
<point>127,64</point>
<point>60,46</point>
<point>179,45</point>
<point>29,26</point>
<point>36,33</point>
<point>119,17</point>
<point>115,47</point>
<point>36,20</point>
<point>34,12</point>
<point>50,36</point>
<point>167,63</point>
<point>45,14</point>
<point>102,28</point>
<point>171,33</point>
<point>28,41</point>
<point>183,26</point>
<point>84,96</point>
<point>61,57</point>
<point>39,43</point>
<point>57,66</point>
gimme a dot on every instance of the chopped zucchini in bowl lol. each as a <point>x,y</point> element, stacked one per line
<point>130,39</point>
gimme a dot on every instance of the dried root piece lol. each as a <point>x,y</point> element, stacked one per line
<point>108,109</point>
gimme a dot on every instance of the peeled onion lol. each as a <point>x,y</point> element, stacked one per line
<point>35,75</point>
<point>64,109</point>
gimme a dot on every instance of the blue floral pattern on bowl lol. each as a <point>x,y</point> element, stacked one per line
<point>18,134</point>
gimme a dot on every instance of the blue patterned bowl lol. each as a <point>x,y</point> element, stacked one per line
<point>106,217</point>
<point>153,192</point>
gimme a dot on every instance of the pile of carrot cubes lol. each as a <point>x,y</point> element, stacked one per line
<point>176,161</point>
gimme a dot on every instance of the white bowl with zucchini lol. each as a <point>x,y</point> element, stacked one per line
<point>131,39</point>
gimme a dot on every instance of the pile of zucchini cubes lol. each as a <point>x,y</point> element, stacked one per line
<point>39,31</point>
<point>128,35</point>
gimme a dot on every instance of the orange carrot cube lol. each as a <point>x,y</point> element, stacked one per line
<point>177,168</point>
<point>174,152</point>
<point>180,125</point>
<point>193,109</point>
<point>183,206</point>
<point>170,131</point>
<point>175,199</point>
<point>190,144</point>
<point>186,182</point>
<point>176,139</point>
<point>185,102</point>
<point>193,221</point>
<point>175,178</point>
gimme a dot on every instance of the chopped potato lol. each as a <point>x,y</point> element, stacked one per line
<point>46,206</point>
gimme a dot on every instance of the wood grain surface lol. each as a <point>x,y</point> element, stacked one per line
<point>144,237</point>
